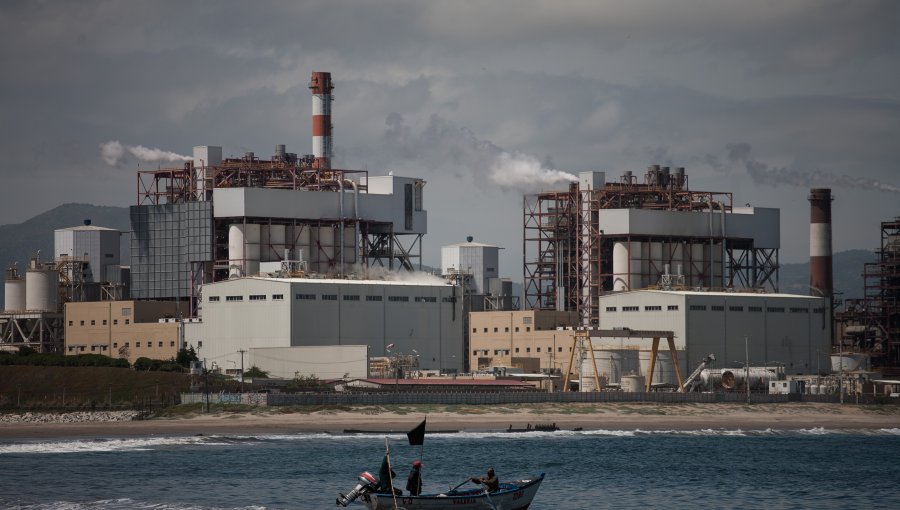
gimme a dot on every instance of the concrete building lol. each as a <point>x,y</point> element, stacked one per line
<point>422,319</point>
<point>97,246</point>
<point>528,340</point>
<point>124,329</point>
<point>771,329</point>
<point>480,262</point>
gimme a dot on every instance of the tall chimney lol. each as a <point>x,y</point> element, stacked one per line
<point>321,86</point>
<point>820,268</point>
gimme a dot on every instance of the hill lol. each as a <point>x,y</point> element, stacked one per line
<point>848,268</point>
<point>19,242</point>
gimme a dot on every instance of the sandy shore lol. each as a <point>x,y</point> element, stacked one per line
<point>644,416</point>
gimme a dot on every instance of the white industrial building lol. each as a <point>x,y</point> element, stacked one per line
<point>769,329</point>
<point>419,318</point>
<point>478,261</point>
<point>98,247</point>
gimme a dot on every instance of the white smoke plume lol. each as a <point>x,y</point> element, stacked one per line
<point>514,170</point>
<point>443,143</point>
<point>383,273</point>
<point>113,152</point>
<point>763,174</point>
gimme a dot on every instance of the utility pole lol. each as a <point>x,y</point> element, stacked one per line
<point>242,351</point>
<point>747,354</point>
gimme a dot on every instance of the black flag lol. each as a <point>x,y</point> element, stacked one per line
<point>417,435</point>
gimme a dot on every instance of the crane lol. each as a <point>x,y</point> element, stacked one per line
<point>692,379</point>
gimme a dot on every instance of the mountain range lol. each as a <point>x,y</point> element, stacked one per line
<point>19,242</point>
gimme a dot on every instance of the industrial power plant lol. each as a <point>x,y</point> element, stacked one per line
<point>631,283</point>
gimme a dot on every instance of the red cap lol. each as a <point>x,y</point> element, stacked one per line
<point>417,463</point>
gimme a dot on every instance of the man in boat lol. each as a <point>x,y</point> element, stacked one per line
<point>414,481</point>
<point>491,482</point>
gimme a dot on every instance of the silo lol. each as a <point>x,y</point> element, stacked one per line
<point>614,363</point>
<point>664,371</point>
<point>42,290</point>
<point>14,294</point>
<point>627,266</point>
<point>634,383</point>
<point>243,249</point>
<point>324,250</point>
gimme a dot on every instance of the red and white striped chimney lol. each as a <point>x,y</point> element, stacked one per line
<point>820,269</point>
<point>321,86</point>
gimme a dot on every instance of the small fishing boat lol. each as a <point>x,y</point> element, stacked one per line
<point>515,495</point>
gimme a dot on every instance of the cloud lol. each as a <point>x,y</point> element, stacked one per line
<point>113,152</point>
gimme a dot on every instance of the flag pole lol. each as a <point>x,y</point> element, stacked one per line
<point>387,454</point>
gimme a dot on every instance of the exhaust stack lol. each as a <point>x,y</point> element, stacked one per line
<point>321,86</point>
<point>820,267</point>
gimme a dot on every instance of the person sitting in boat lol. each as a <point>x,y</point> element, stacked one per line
<point>491,482</point>
<point>414,481</point>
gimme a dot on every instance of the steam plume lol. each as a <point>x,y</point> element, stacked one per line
<point>513,170</point>
<point>761,173</point>
<point>113,151</point>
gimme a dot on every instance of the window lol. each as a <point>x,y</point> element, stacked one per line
<point>496,352</point>
<point>126,312</point>
<point>538,349</point>
<point>257,297</point>
<point>485,330</point>
<point>82,323</point>
<point>115,322</point>
<point>311,297</point>
<point>489,269</point>
<point>104,322</point>
<point>277,297</point>
<point>517,329</point>
<point>610,308</point>
<point>818,310</point>
<point>234,298</point>
<point>445,299</point>
<point>329,297</point>
<point>115,345</point>
<point>528,349</point>
<point>426,299</point>
<point>630,308</point>
<point>559,349</point>
<point>526,320</point>
<point>160,344</point>
<point>127,343</point>
<point>775,309</point>
<point>474,330</point>
<point>400,299</point>
<point>754,308</point>
<point>517,350</point>
<point>70,323</point>
<point>199,343</point>
<point>93,348</point>
<point>495,330</point>
<point>127,321</point>
<point>373,298</point>
<point>653,308</point>
<point>350,297</point>
<point>93,322</point>
<point>137,344</point>
<point>213,299</point>
<point>527,329</point>
<point>172,343</point>
<point>672,308</point>
<point>799,310</point>
<point>506,329</point>
<point>717,308</point>
<point>698,308</point>
<point>735,308</point>
<point>475,352</point>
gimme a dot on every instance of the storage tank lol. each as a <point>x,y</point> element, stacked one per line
<point>664,372</point>
<point>634,383</point>
<point>627,266</point>
<point>324,249</point>
<point>734,378</point>
<point>587,375</point>
<point>616,362</point>
<point>14,294</point>
<point>243,249</point>
<point>42,290</point>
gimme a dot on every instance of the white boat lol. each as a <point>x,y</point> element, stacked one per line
<point>515,495</point>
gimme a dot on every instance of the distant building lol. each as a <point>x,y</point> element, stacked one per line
<point>528,340</point>
<point>124,329</point>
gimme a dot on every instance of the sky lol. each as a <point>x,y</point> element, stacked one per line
<point>486,100</point>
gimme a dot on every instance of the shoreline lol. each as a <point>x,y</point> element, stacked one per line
<point>618,417</point>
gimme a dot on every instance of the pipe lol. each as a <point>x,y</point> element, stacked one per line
<point>341,241</point>
<point>356,215</point>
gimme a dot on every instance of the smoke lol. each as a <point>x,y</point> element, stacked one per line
<point>113,153</point>
<point>739,153</point>
<point>383,273</point>
<point>441,144</point>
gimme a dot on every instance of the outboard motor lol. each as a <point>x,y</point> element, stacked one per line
<point>367,483</point>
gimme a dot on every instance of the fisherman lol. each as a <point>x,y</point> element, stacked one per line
<point>490,482</point>
<point>414,481</point>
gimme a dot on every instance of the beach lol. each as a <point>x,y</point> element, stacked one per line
<point>399,419</point>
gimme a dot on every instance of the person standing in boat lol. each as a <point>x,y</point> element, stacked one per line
<point>491,482</point>
<point>414,481</point>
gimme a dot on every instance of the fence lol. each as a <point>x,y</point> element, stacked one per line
<point>501,398</point>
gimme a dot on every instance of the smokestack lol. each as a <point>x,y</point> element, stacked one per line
<point>321,86</point>
<point>820,268</point>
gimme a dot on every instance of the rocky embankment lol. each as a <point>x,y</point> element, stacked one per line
<point>75,417</point>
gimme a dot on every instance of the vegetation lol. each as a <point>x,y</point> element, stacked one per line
<point>28,356</point>
<point>256,373</point>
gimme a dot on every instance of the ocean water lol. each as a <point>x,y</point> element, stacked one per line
<point>706,469</point>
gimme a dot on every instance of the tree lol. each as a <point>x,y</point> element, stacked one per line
<point>186,355</point>
<point>256,372</point>
<point>143,363</point>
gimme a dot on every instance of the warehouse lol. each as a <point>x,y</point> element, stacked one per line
<point>766,329</point>
<point>413,318</point>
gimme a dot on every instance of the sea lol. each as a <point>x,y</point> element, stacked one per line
<point>701,469</point>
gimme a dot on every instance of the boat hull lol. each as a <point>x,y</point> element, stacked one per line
<point>516,495</point>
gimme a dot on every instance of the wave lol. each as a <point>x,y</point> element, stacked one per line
<point>112,504</point>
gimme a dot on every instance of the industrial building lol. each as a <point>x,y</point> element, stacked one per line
<point>124,329</point>
<point>217,218</point>
<point>534,341</point>
<point>601,236</point>
<point>33,314</point>
<point>418,319</point>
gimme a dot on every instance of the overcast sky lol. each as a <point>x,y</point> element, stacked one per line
<point>763,99</point>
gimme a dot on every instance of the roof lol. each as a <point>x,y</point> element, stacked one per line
<point>425,280</point>
<point>428,381</point>
<point>469,245</point>
<point>714,293</point>
<point>87,228</point>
